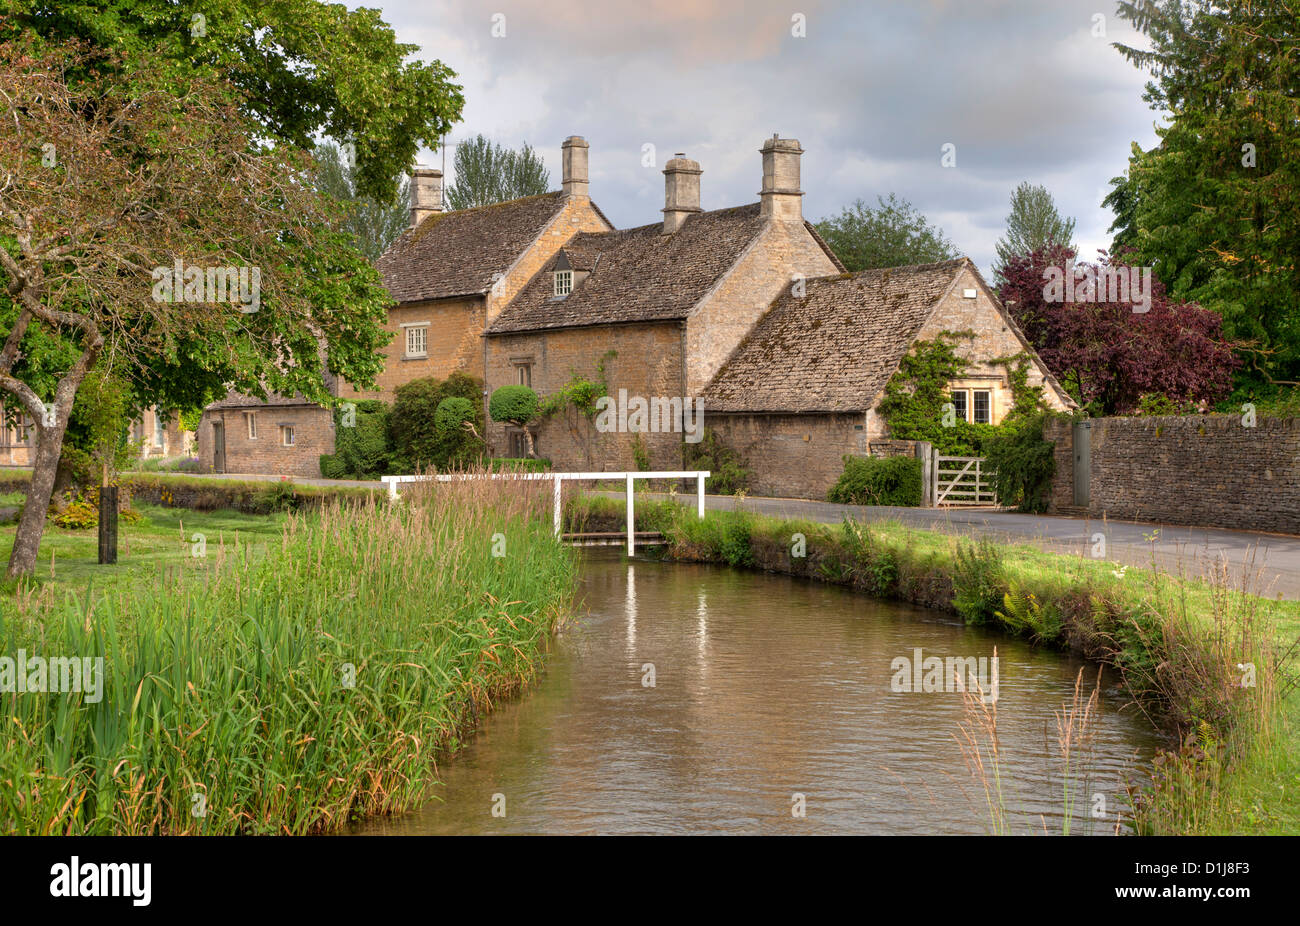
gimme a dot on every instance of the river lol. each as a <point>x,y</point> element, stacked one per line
<point>699,699</point>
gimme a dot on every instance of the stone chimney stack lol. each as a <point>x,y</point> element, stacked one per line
<point>573,156</point>
<point>681,191</point>
<point>426,193</point>
<point>780,196</point>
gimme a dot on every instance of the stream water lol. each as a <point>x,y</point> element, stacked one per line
<point>698,699</point>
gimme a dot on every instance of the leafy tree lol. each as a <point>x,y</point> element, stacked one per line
<point>417,439</point>
<point>305,68</point>
<point>489,173</point>
<point>1033,224</point>
<point>1106,354</point>
<point>515,405</point>
<point>893,234</point>
<point>115,181</point>
<point>372,224</point>
<point>1022,461</point>
<point>1215,205</point>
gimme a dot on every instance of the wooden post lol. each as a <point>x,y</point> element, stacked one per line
<point>925,450</point>
<point>107,525</point>
<point>558,525</point>
<point>631,528</point>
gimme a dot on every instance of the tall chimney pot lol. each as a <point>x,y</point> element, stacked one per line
<point>780,197</point>
<point>426,193</point>
<point>573,158</point>
<point>681,191</point>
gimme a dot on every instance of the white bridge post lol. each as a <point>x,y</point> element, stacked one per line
<point>699,493</point>
<point>631,528</point>
<point>558,518</point>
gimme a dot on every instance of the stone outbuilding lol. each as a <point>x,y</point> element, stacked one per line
<point>802,389</point>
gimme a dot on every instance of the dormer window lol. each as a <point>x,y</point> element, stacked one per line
<point>563,283</point>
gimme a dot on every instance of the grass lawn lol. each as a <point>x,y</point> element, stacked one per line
<point>145,548</point>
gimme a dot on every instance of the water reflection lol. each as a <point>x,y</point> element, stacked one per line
<point>765,687</point>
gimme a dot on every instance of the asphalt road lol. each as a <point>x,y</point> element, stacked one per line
<point>1268,563</point>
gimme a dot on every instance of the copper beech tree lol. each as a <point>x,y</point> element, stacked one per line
<point>144,223</point>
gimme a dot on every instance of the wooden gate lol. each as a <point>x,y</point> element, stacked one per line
<point>962,481</point>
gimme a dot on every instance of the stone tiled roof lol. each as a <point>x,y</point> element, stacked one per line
<point>833,349</point>
<point>638,274</point>
<point>456,253</point>
<point>239,400</point>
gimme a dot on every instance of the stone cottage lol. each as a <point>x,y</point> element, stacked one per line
<point>801,390</point>
<point>451,273</point>
<point>285,435</point>
<point>655,310</point>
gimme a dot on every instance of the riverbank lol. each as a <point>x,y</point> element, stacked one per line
<point>283,682</point>
<point>1204,659</point>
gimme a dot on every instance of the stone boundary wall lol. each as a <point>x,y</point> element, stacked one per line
<point>1199,470</point>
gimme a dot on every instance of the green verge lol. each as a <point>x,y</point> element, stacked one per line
<point>1184,646</point>
<point>307,670</point>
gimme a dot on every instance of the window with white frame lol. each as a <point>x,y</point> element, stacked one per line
<point>973,405</point>
<point>417,341</point>
<point>250,422</point>
<point>563,282</point>
<point>158,427</point>
<point>286,435</point>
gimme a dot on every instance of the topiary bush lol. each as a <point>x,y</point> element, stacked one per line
<point>878,481</point>
<point>513,405</point>
<point>361,448</point>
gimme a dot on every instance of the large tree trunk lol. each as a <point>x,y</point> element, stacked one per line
<point>49,446</point>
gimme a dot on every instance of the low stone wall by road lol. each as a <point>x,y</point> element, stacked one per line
<point>1205,470</point>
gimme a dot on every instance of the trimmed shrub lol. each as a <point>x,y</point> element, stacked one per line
<point>361,450</point>
<point>878,481</point>
<point>513,405</point>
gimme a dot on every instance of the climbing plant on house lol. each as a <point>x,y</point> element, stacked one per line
<point>917,393</point>
<point>576,404</point>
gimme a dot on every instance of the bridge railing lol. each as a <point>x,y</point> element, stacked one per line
<point>629,478</point>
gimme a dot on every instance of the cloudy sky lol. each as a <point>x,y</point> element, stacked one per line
<point>1024,90</point>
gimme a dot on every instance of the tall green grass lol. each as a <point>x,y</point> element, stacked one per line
<point>287,686</point>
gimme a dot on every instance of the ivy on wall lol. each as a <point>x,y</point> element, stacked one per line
<point>917,393</point>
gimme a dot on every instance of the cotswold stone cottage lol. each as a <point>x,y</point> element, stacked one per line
<point>451,273</point>
<point>658,308</point>
<point>802,388</point>
<point>743,313</point>
<point>746,312</point>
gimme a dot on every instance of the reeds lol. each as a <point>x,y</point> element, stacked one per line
<point>289,687</point>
